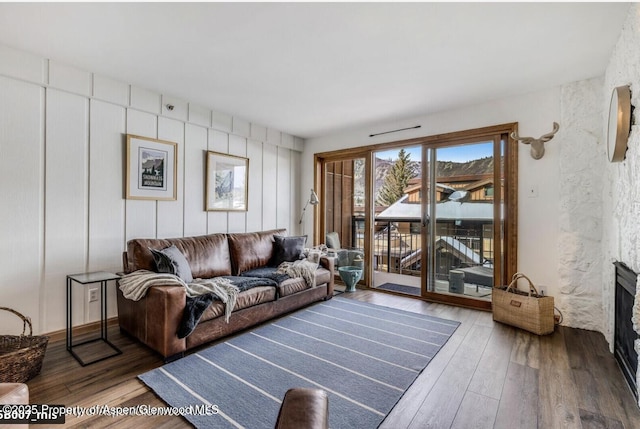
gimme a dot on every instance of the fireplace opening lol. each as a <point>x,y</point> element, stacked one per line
<point>625,335</point>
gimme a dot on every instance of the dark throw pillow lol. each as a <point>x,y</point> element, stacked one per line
<point>287,249</point>
<point>171,260</point>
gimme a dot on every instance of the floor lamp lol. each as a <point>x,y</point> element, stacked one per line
<point>313,200</point>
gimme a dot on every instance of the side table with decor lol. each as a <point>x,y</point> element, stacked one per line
<point>21,356</point>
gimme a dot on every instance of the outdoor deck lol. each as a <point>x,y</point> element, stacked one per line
<point>442,286</point>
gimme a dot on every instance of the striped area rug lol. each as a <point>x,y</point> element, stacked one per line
<point>364,355</point>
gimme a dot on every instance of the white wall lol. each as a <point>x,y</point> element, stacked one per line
<point>62,137</point>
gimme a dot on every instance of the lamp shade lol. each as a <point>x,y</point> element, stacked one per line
<point>313,198</point>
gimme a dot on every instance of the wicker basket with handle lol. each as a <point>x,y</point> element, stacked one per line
<point>21,356</point>
<point>528,311</point>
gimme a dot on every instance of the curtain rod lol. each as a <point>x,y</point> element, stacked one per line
<point>395,131</point>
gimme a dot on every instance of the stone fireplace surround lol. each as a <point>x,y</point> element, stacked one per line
<point>620,229</point>
<point>599,201</point>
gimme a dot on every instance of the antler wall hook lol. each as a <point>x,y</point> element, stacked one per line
<point>537,145</point>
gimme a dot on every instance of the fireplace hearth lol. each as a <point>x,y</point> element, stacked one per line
<point>625,335</point>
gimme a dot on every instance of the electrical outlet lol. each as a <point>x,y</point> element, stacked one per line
<point>542,290</point>
<point>93,295</point>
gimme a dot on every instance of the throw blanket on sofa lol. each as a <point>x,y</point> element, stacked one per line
<point>266,273</point>
<point>135,285</point>
<point>196,306</point>
<point>301,268</point>
<point>200,293</point>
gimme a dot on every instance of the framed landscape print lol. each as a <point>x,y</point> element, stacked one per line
<point>227,182</point>
<point>151,169</point>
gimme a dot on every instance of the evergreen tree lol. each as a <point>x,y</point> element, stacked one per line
<point>396,179</point>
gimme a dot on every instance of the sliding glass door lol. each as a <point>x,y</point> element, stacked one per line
<point>397,232</point>
<point>433,218</point>
<point>465,238</point>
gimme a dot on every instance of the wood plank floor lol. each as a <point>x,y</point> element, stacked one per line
<point>487,376</point>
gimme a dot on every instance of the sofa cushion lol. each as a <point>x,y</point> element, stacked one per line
<point>171,260</point>
<point>139,255</point>
<point>287,249</point>
<point>207,255</point>
<point>251,250</point>
<point>297,284</point>
<point>246,299</point>
<point>291,286</point>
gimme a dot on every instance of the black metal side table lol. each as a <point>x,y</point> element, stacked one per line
<point>103,278</point>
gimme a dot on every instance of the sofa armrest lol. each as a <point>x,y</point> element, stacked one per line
<point>165,306</point>
<point>304,408</point>
<point>329,264</point>
<point>154,319</point>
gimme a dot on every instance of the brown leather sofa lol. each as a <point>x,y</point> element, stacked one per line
<point>155,318</point>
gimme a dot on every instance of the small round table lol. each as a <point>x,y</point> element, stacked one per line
<point>350,276</point>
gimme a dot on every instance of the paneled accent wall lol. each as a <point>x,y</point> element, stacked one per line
<point>62,167</point>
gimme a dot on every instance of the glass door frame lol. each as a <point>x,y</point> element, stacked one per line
<point>507,234</point>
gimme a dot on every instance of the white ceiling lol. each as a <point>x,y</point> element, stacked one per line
<point>311,69</point>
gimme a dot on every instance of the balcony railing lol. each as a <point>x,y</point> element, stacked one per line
<point>397,246</point>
